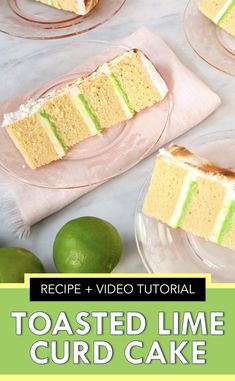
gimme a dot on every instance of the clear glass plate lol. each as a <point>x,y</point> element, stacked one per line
<point>167,250</point>
<point>98,158</point>
<point>210,42</point>
<point>33,20</point>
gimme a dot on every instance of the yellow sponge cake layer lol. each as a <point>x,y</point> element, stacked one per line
<point>173,179</point>
<point>32,139</point>
<point>194,194</point>
<point>139,79</point>
<point>211,8</point>
<point>221,12</point>
<point>68,121</point>
<point>228,22</point>
<point>205,205</point>
<point>103,99</point>
<point>81,7</point>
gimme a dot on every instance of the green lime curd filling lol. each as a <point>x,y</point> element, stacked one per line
<point>90,113</point>
<point>121,91</point>
<point>191,189</point>
<point>53,129</point>
<point>227,223</point>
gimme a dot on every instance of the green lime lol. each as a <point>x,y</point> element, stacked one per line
<point>87,245</point>
<point>15,262</point>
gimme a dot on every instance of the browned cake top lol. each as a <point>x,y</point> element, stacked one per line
<point>195,161</point>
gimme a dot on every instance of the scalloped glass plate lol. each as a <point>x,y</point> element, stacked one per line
<point>210,42</point>
<point>98,158</point>
<point>167,250</point>
<point>33,20</point>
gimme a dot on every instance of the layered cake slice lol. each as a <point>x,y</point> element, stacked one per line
<point>112,94</point>
<point>81,7</point>
<point>139,79</point>
<point>191,193</point>
<point>221,12</point>
<point>44,130</point>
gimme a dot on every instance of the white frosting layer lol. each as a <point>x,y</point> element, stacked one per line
<point>230,196</point>
<point>222,11</point>
<point>192,176</point>
<point>157,80</point>
<point>25,110</point>
<point>57,145</point>
<point>129,114</point>
<point>81,7</point>
<point>127,111</point>
<point>74,93</point>
<point>29,108</point>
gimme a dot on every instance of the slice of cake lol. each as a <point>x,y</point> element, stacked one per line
<point>221,12</point>
<point>85,107</point>
<point>194,194</point>
<point>44,130</point>
<point>81,7</point>
<point>139,79</point>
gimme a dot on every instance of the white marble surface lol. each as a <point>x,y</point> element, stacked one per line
<point>116,200</point>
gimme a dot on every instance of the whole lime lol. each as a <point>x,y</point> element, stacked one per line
<point>15,262</point>
<point>87,245</point>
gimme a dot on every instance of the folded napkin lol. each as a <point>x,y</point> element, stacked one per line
<point>22,205</point>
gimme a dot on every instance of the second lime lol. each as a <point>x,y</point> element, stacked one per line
<point>87,245</point>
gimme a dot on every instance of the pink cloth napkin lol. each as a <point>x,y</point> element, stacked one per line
<point>23,205</point>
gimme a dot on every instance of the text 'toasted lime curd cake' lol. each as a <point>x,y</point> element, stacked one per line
<point>191,193</point>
